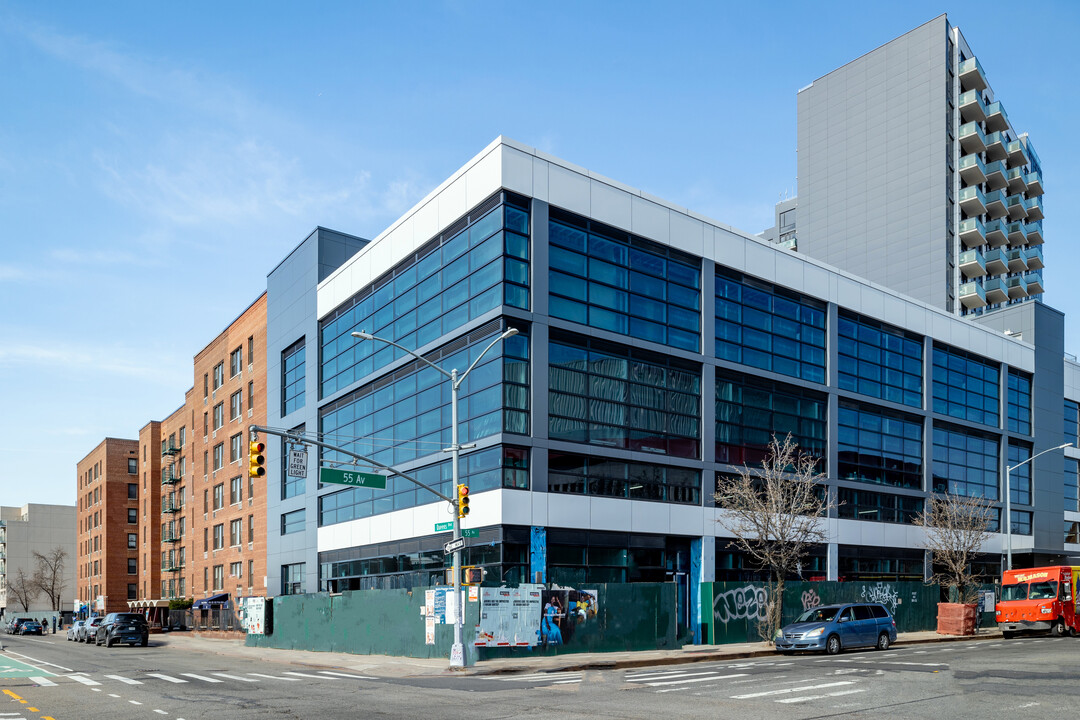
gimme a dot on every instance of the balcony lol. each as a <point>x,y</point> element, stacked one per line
<point>1017,260</point>
<point>1016,287</point>
<point>1017,179</point>
<point>996,147</point>
<point>996,204</point>
<point>171,539</point>
<point>972,296</point>
<point>971,75</point>
<point>972,232</point>
<point>971,106</point>
<point>996,178</point>
<point>996,119</point>
<point>996,262</point>
<point>972,201</point>
<point>1034,233</point>
<point>168,477</point>
<point>1017,154</point>
<point>1017,233</point>
<point>995,233</point>
<point>1034,183</point>
<point>168,508</point>
<point>972,169</point>
<point>1034,209</point>
<point>972,264</point>
<point>172,567</point>
<point>790,244</point>
<point>1017,207</point>
<point>1034,282</point>
<point>1035,258</point>
<point>170,449</point>
<point>972,139</point>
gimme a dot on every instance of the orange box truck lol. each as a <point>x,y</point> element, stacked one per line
<point>1038,599</point>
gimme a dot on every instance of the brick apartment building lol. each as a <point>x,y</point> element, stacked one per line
<point>107,531</point>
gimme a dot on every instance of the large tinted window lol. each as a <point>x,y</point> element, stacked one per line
<point>965,386</point>
<point>750,411</point>
<point>1019,402</point>
<point>615,281</point>
<point>877,507</point>
<point>605,394</point>
<point>768,327</point>
<point>587,475</point>
<point>965,462</point>
<point>1072,421</point>
<point>879,360</point>
<point>1070,484</point>
<point>476,265</point>
<point>878,446</point>
<point>1020,477</point>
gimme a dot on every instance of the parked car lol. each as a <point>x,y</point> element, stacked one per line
<point>833,628</point>
<point>89,629</point>
<point>30,627</point>
<point>130,628</point>
<point>15,625</point>
<point>74,629</point>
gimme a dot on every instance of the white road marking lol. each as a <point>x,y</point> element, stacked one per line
<point>672,690</point>
<point>275,677</point>
<point>791,690</point>
<point>161,712</point>
<point>540,676</point>
<point>43,682</point>
<point>39,662</point>
<point>754,680</point>
<point>670,676</point>
<point>134,702</point>
<point>307,675</point>
<point>819,697</point>
<point>170,678</point>
<point>125,680</point>
<point>345,675</point>
<point>692,680</point>
<point>113,695</point>
<point>83,680</point>
<point>235,677</point>
<point>566,682</point>
<point>201,677</point>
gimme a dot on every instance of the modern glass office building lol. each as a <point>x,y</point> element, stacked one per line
<point>656,349</point>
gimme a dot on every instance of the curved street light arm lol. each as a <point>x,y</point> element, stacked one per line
<point>368,336</point>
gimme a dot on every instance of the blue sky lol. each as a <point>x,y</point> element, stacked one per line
<point>158,159</point>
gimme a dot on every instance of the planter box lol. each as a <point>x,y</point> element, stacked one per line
<point>956,619</point>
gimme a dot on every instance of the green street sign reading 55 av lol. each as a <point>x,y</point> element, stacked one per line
<point>350,477</point>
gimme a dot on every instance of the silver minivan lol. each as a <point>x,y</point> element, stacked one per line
<point>833,628</point>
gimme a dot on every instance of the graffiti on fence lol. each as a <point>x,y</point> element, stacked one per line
<point>744,603</point>
<point>881,593</point>
<point>810,599</point>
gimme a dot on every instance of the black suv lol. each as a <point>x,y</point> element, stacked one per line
<point>123,627</point>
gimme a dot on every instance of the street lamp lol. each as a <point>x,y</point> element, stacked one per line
<point>457,651</point>
<point>1008,501</point>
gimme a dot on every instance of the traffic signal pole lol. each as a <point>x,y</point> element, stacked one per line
<point>457,650</point>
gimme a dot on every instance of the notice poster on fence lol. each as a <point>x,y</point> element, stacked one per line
<point>254,614</point>
<point>509,617</point>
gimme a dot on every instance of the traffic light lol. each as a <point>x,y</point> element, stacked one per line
<point>471,575</point>
<point>462,500</point>
<point>256,459</point>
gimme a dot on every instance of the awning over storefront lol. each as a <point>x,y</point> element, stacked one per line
<point>214,602</point>
<point>141,604</point>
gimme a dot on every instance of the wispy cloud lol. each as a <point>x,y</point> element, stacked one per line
<point>113,361</point>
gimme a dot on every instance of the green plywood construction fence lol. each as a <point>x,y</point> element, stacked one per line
<point>633,616</point>
<point>736,607</point>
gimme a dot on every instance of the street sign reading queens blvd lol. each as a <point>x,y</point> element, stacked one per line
<point>349,477</point>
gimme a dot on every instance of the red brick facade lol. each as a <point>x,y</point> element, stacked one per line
<point>107,533</point>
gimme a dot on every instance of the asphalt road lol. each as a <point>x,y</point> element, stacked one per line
<point>1017,679</point>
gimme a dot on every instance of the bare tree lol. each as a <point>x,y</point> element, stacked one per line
<point>956,528</point>
<point>50,574</point>
<point>775,514</point>
<point>24,589</point>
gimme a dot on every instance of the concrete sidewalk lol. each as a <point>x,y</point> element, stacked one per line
<point>398,667</point>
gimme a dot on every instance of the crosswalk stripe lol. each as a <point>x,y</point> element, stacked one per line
<point>785,691</point>
<point>83,680</point>
<point>670,676</point>
<point>693,680</point>
<point>201,677</point>
<point>345,675</point>
<point>235,677</point>
<point>307,675</point>
<point>541,676</point>
<point>275,677</point>
<point>819,697</point>
<point>566,682</point>
<point>43,682</point>
<point>125,680</point>
<point>170,678</point>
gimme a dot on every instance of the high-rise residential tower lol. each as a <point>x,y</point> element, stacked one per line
<point>912,175</point>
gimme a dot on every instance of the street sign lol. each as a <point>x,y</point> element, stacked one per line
<point>349,477</point>
<point>470,533</point>
<point>443,527</point>
<point>298,463</point>
<point>453,546</point>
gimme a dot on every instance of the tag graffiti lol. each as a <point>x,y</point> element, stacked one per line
<point>810,599</point>
<point>745,603</point>
<point>881,593</point>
